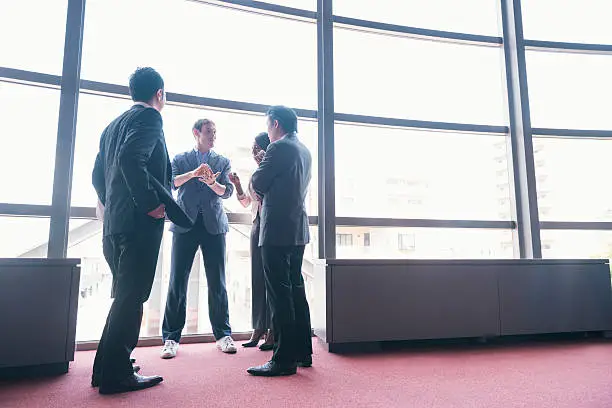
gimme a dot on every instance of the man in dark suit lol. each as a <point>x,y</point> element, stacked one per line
<point>132,179</point>
<point>202,179</point>
<point>282,179</point>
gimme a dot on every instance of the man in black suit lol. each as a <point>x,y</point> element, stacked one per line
<point>282,179</point>
<point>132,179</point>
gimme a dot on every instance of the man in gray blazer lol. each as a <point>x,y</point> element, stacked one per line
<point>282,180</point>
<point>202,179</point>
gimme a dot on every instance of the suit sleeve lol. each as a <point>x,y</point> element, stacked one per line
<point>97,179</point>
<point>134,156</point>
<point>271,166</point>
<point>176,171</point>
<point>224,180</point>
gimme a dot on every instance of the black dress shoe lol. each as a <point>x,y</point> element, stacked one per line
<point>95,383</point>
<point>272,369</point>
<point>135,382</point>
<point>266,347</point>
<point>255,337</point>
<point>305,362</point>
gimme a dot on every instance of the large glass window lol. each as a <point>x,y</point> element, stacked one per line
<point>235,135</point>
<point>401,173</point>
<point>32,33</point>
<point>29,134</point>
<point>390,76</point>
<point>203,49</point>
<point>300,4</point>
<point>85,242</point>
<point>569,91</point>
<point>466,16</point>
<point>585,21</point>
<point>570,175</point>
<point>576,244</point>
<point>424,243</point>
<point>23,237</point>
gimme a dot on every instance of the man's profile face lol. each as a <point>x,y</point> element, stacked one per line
<point>161,97</point>
<point>205,138</point>
<point>273,129</point>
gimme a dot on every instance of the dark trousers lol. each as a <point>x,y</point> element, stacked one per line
<point>132,259</point>
<point>259,302</point>
<point>184,248</point>
<point>288,304</point>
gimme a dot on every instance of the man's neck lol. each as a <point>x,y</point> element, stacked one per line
<point>280,138</point>
<point>201,150</point>
<point>146,105</point>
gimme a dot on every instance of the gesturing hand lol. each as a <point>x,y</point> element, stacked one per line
<point>159,212</point>
<point>210,179</point>
<point>233,177</point>
<point>201,171</point>
<point>260,156</point>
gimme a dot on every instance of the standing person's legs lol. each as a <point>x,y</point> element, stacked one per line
<point>184,247</point>
<point>213,252</point>
<point>112,258</point>
<point>276,261</point>
<point>137,260</point>
<point>303,346</point>
<point>260,309</point>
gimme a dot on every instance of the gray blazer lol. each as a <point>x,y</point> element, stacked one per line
<point>282,179</point>
<point>195,196</point>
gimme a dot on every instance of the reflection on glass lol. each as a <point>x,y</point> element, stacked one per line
<point>388,76</point>
<point>465,16</point>
<point>29,132</point>
<point>576,244</point>
<point>32,33</point>
<point>569,175</point>
<point>583,21</point>
<point>424,243</point>
<point>23,237</point>
<point>235,134</point>
<point>200,50</point>
<point>400,173</point>
<point>85,242</point>
<point>569,91</point>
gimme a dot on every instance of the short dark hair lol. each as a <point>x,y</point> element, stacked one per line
<point>144,84</point>
<point>200,123</point>
<point>262,140</point>
<point>286,117</point>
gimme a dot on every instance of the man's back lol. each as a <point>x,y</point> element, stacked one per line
<point>132,149</point>
<point>283,180</point>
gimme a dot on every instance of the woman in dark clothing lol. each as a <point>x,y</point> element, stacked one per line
<point>261,313</point>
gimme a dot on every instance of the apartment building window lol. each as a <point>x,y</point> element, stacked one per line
<point>344,239</point>
<point>405,242</point>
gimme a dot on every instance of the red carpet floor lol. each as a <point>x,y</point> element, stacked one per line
<point>543,375</point>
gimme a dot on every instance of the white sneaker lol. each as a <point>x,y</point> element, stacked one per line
<point>169,350</point>
<point>226,345</point>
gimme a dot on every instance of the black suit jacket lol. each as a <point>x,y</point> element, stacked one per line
<point>132,171</point>
<point>282,179</point>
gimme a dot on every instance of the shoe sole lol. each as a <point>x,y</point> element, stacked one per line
<point>167,357</point>
<point>280,374</point>
<point>110,391</point>
<point>228,352</point>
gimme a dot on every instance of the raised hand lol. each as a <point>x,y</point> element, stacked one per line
<point>202,170</point>
<point>233,177</point>
<point>210,179</point>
